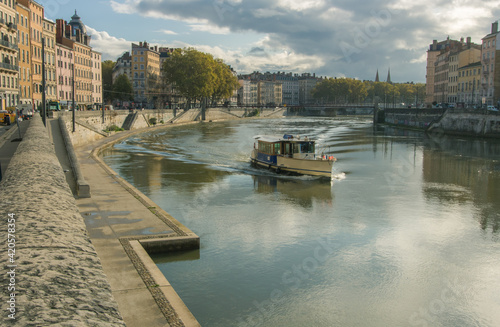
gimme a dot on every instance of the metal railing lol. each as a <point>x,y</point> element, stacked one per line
<point>9,45</point>
<point>9,66</point>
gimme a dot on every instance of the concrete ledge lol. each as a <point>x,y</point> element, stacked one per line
<point>162,284</point>
<point>59,278</point>
<point>164,245</point>
<point>82,187</point>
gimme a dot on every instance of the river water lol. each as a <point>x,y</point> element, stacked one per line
<point>406,234</point>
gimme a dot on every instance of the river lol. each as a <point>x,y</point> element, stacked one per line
<point>406,233</point>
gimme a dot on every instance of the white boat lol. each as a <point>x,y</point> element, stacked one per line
<point>291,154</point>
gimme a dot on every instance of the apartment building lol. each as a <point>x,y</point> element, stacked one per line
<point>307,82</point>
<point>25,81</point>
<point>490,61</point>
<point>35,22</point>
<point>469,84</point>
<point>64,75</point>
<point>49,36</point>
<point>248,93</point>
<point>74,35</point>
<point>9,50</point>
<point>123,66</point>
<point>269,93</point>
<point>96,79</point>
<point>145,72</point>
<point>444,60</point>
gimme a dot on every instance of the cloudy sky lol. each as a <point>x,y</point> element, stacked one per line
<point>350,38</point>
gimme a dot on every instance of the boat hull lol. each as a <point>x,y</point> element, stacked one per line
<point>283,164</point>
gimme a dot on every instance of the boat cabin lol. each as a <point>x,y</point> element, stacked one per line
<point>286,146</point>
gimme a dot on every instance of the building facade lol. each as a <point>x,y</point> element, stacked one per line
<point>64,75</point>
<point>23,37</point>
<point>9,51</point>
<point>123,66</point>
<point>307,83</point>
<point>74,36</point>
<point>49,36</point>
<point>36,15</point>
<point>490,61</point>
<point>469,85</point>
<point>96,79</point>
<point>145,72</point>
<point>248,93</point>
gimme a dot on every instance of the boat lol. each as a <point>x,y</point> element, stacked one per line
<point>291,154</point>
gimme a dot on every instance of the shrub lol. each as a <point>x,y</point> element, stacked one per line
<point>113,128</point>
<point>152,121</point>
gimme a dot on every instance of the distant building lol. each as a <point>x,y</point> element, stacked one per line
<point>490,61</point>
<point>123,66</point>
<point>469,84</point>
<point>64,75</point>
<point>248,93</point>
<point>49,35</point>
<point>24,43</point>
<point>269,93</point>
<point>145,73</point>
<point>74,36</point>
<point>307,83</point>
<point>35,21</point>
<point>444,59</point>
<point>290,87</point>
<point>96,79</point>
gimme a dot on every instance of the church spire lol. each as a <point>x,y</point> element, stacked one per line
<point>389,76</point>
<point>377,79</point>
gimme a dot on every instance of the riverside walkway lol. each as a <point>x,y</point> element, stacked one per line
<point>119,220</point>
<point>83,261</point>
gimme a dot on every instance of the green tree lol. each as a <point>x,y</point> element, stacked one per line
<point>197,75</point>
<point>107,80</point>
<point>122,88</point>
<point>226,81</point>
<point>340,90</point>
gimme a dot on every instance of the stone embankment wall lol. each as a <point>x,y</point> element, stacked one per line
<point>58,279</point>
<point>414,118</point>
<point>89,126</point>
<point>482,124</point>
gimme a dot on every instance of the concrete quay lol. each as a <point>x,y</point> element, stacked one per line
<point>122,223</point>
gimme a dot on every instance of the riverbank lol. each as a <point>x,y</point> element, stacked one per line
<point>124,225</point>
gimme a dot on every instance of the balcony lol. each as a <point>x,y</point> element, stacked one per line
<point>7,44</point>
<point>9,67</point>
<point>11,26</point>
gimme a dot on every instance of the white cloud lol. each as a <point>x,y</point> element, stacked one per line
<point>111,47</point>
<point>300,5</point>
<point>212,29</point>
<point>168,32</point>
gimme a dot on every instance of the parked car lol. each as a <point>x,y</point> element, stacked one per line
<point>492,108</point>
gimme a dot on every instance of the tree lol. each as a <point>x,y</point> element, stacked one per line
<point>226,82</point>
<point>340,90</point>
<point>107,80</point>
<point>122,88</point>
<point>197,75</point>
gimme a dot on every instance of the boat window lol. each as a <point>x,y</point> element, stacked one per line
<point>307,147</point>
<point>277,148</point>
<point>265,147</point>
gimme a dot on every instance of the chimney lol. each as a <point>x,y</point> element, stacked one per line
<point>461,40</point>
<point>494,27</point>
<point>140,44</point>
<point>468,40</point>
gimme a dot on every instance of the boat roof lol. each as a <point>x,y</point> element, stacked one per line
<point>286,137</point>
